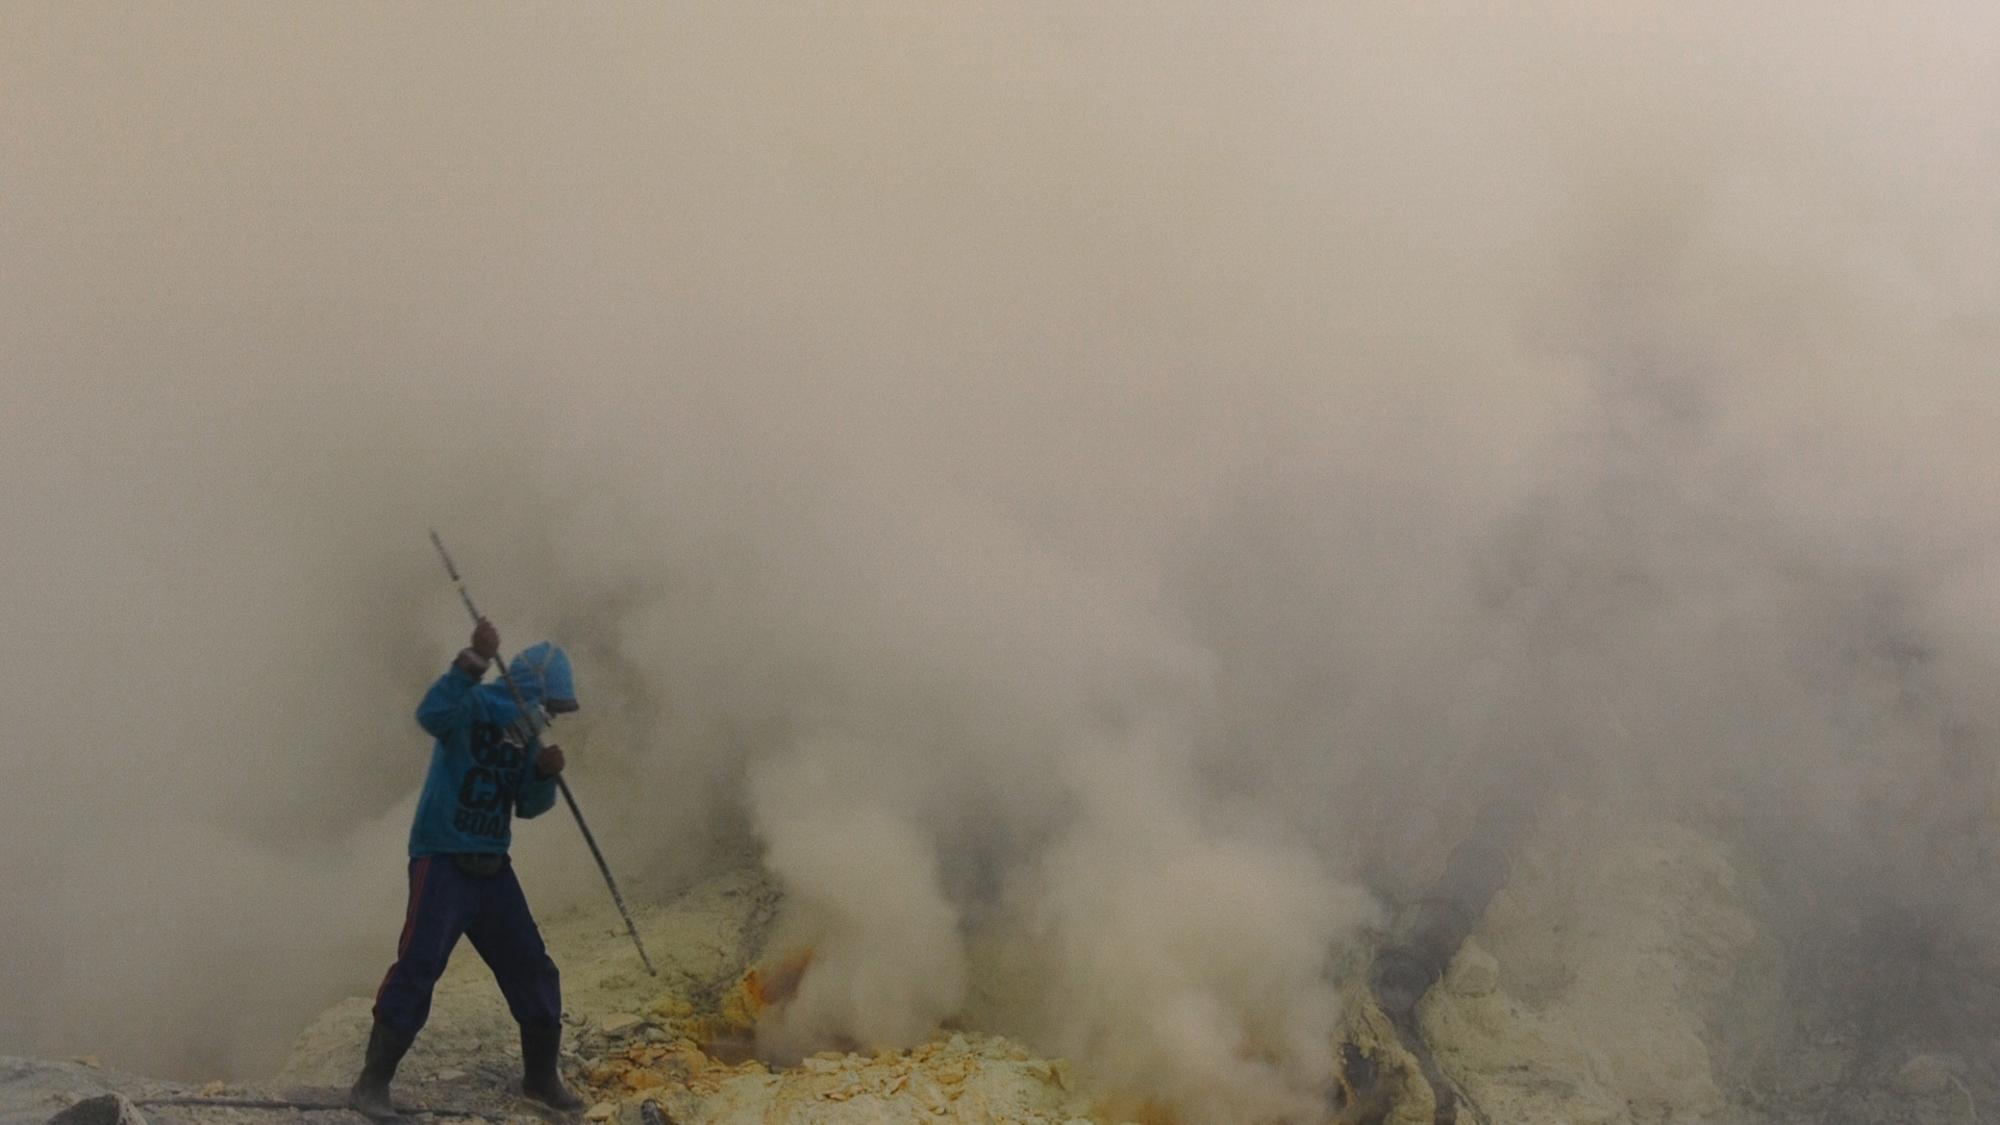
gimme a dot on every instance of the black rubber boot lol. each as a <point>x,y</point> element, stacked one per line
<point>370,1093</point>
<point>540,1079</point>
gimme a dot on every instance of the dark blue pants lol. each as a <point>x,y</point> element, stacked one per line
<point>445,902</point>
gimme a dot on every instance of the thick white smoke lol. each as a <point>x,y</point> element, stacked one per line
<point>1110,484</point>
<point>864,886</point>
<point>1185,957</point>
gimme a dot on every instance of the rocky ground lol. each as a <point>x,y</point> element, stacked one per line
<point>1629,973</point>
<point>681,1039</point>
<point>678,1040</point>
<point>1624,975</point>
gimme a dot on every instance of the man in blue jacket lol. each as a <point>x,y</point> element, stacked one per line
<point>484,770</point>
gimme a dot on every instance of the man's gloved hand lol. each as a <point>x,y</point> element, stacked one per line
<point>477,657</point>
<point>486,639</point>
<point>550,762</point>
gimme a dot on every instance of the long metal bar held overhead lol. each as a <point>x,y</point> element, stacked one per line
<point>563,786</point>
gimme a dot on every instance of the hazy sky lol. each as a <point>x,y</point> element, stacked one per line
<point>1128,454</point>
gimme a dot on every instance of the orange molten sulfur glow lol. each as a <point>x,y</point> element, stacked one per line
<point>780,983</point>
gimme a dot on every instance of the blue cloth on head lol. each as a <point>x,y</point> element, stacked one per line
<point>542,673</point>
<point>482,770</point>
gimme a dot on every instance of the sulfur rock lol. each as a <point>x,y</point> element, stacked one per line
<point>618,1024</point>
<point>1474,972</point>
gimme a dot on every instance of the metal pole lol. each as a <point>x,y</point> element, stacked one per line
<point>527,721</point>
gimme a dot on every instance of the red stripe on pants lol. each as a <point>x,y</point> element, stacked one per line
<point>418,872</point>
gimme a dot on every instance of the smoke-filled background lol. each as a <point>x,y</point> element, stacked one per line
<point>1131,481</point>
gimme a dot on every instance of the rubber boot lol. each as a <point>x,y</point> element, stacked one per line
<point>540,1080</point>
<point>370,1093</point>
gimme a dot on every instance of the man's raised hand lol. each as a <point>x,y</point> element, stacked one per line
<point>486,639</point>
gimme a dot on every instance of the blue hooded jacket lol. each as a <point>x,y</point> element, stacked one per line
<point>483,765</point>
